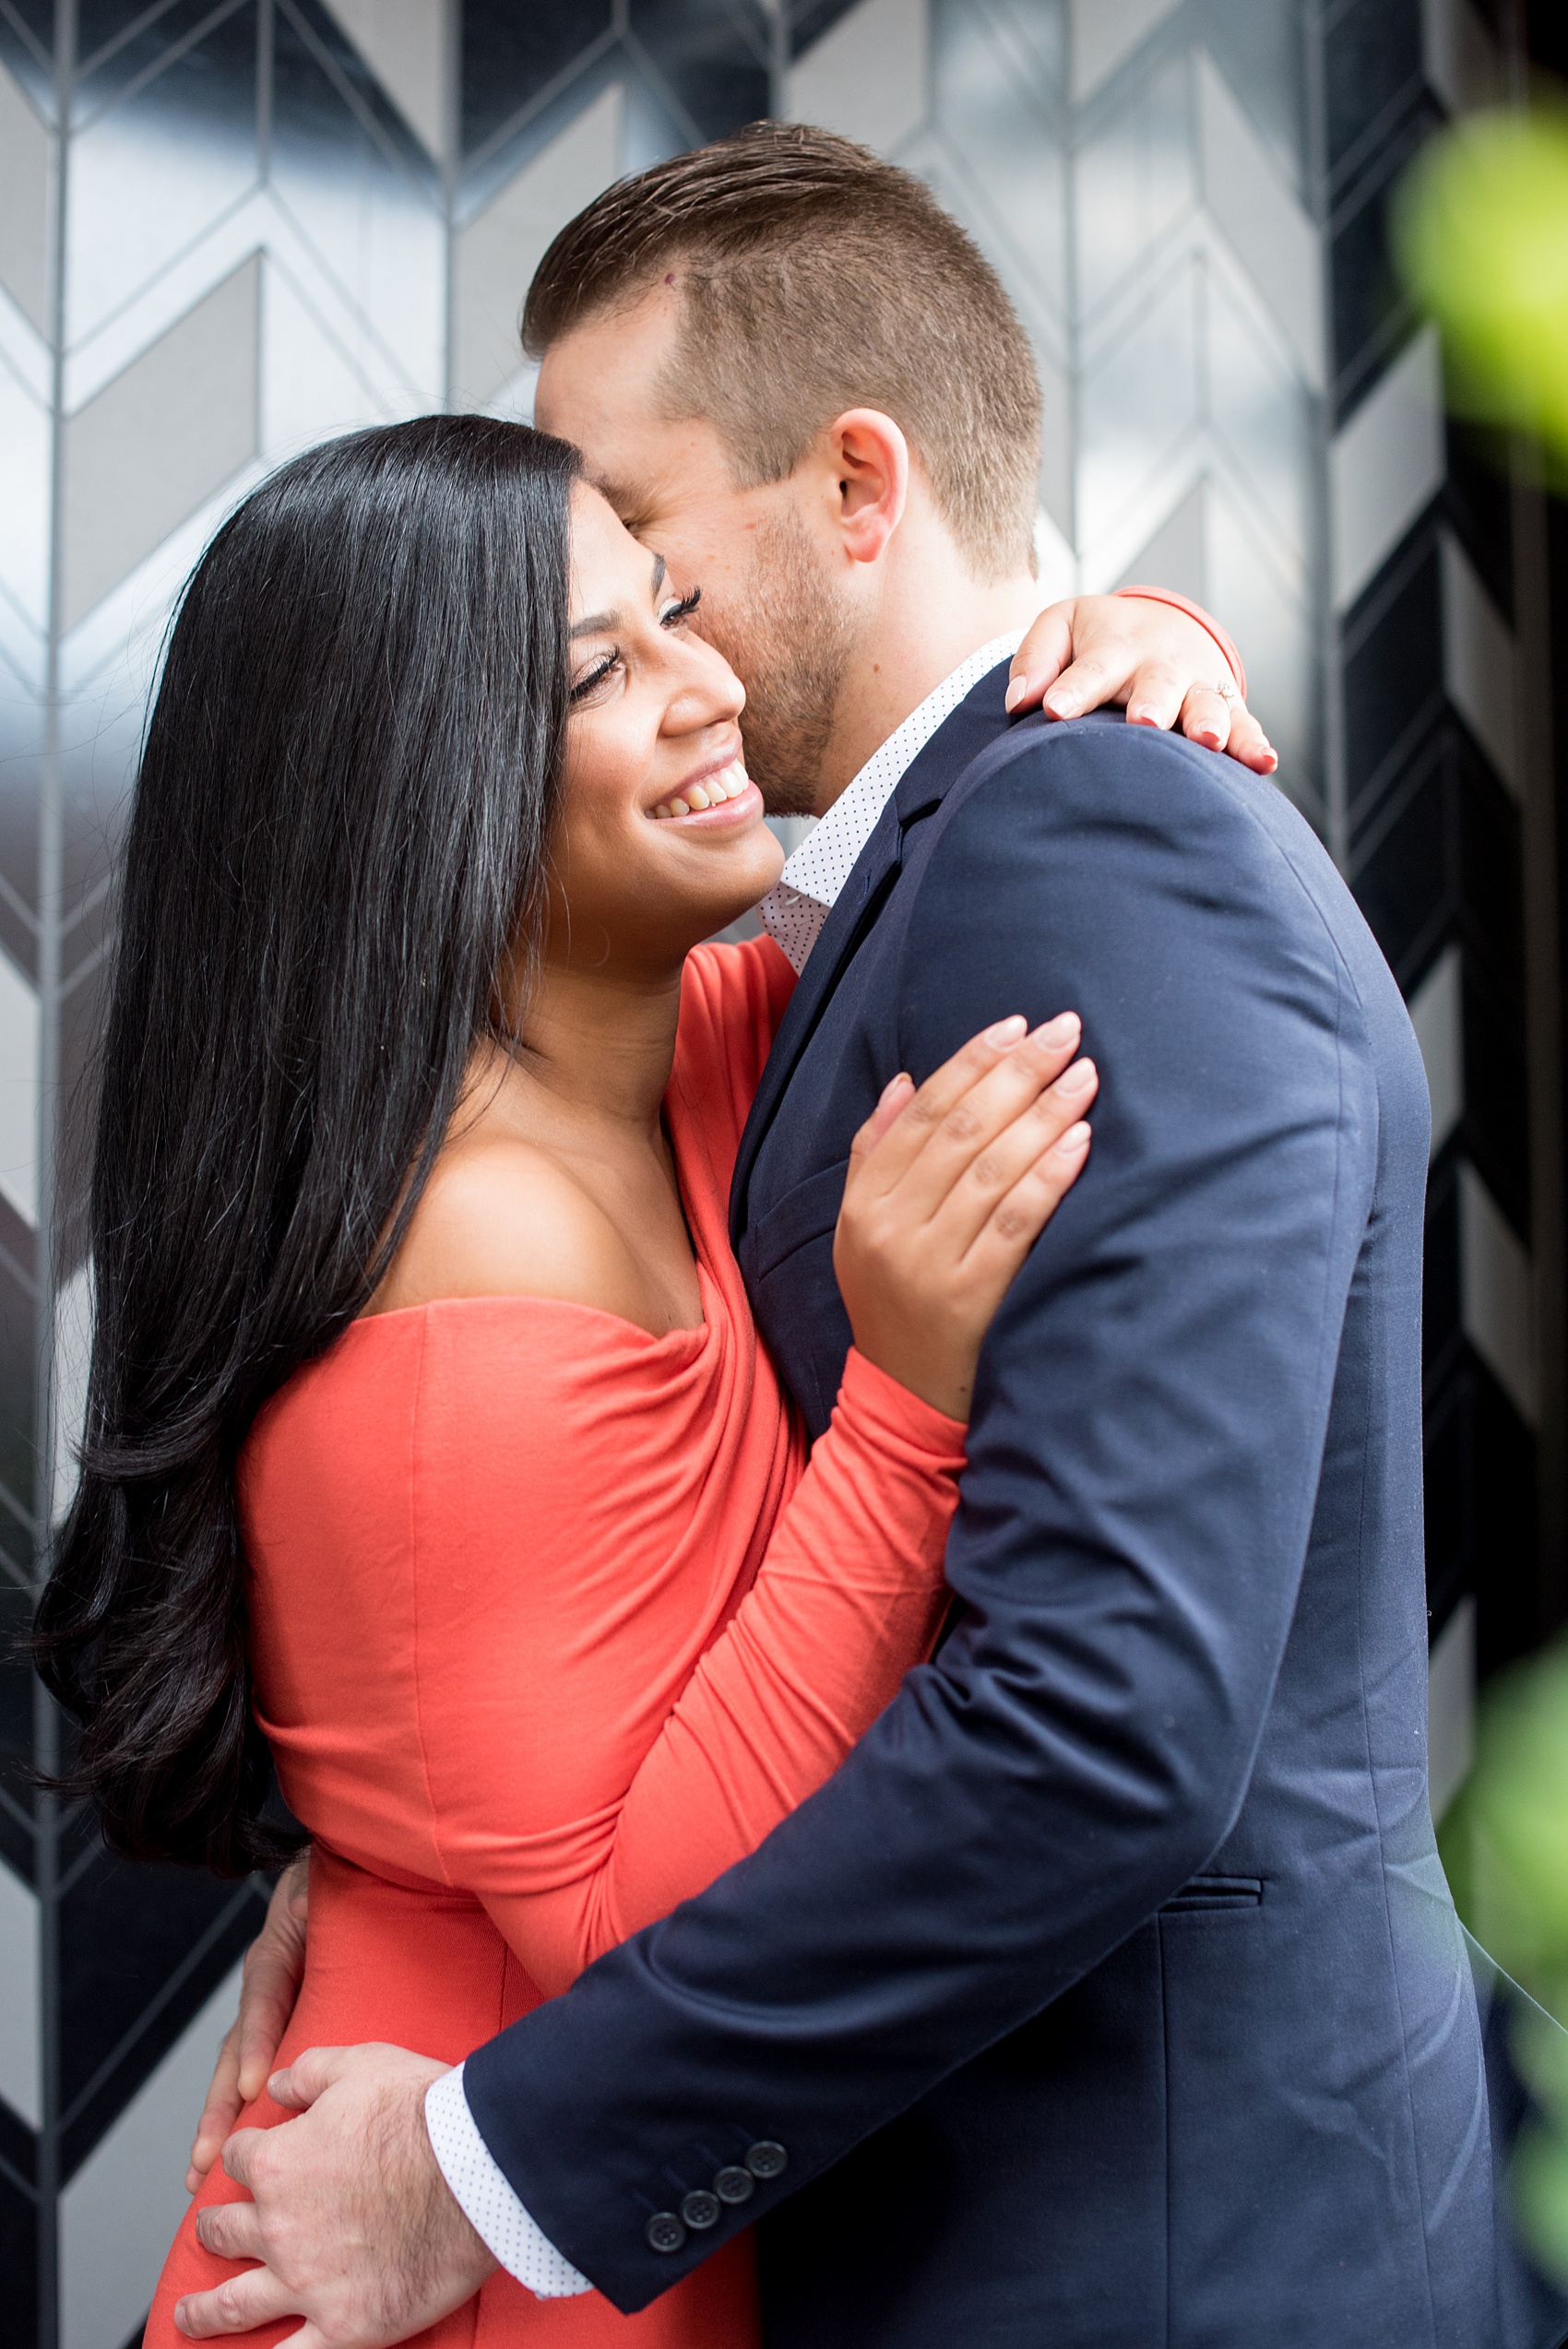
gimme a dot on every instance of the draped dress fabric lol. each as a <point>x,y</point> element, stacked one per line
<point>551,1621</point>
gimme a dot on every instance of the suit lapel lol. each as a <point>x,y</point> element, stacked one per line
<point>976,723</point>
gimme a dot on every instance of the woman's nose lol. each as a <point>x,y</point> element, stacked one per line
<point>711,694</point>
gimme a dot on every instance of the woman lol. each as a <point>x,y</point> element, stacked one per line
<point>430,1452</point>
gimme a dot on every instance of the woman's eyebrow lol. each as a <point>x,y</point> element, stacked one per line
<point>602,623</point>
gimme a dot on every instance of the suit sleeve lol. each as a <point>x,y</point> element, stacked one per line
<point>1134,1519</point>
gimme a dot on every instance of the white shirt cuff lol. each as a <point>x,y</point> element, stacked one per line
<point>486,2200</point>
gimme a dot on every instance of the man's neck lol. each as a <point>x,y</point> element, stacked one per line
<point>929,622</point>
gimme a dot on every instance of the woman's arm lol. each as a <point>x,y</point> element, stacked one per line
<point>1166,659</point>
<point>849,1595</point>
<point>946,1192</point>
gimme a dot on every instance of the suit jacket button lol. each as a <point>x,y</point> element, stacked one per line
<point>700,2209</point>
<point>764,2159</point>
<point>664,2232</point>
<point>734,2185</point>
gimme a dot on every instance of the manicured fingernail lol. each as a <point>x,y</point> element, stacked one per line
<point>1074,1140</point>
<point>1016,691</point>
<point>1078,1079</point>
<point>1207,737</point>
<point>1007,1031</point>
<point>891,1087</point>
<point>1059,705</point>
<point>1063,1029</point>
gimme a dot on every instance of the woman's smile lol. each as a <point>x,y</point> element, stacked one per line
<point>728,796</point>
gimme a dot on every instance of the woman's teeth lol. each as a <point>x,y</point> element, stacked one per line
<point>728,784</point>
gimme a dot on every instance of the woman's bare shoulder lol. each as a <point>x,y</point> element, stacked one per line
<point>501,1218</point>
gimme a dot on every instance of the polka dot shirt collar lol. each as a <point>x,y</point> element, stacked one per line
<point>794,911</point>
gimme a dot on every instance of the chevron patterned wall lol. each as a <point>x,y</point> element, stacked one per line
<point>1444,801</point>
<point>229,230</point>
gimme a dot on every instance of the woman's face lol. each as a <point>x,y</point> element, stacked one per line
<point>662,839</point>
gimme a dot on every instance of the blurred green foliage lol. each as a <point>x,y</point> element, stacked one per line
<point>1480,236</point>
<point>1505,1843</point>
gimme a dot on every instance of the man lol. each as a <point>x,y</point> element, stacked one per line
<point>1111,1993</point>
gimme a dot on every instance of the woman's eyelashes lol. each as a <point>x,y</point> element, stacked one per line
<point>672,614</point>
<point>680,609</point>
<point>603,668</point>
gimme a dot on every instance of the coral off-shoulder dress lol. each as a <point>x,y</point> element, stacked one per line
<point>550,1622</point>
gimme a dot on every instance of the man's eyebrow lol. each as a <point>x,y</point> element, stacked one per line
<point>600,623</point>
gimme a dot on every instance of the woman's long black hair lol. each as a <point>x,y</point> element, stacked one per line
<point>340,822</point>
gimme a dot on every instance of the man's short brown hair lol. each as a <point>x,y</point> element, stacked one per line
<point>815,278</point>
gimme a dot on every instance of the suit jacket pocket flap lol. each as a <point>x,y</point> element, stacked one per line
<point>1216,1892</point>
<point>803,1215</point>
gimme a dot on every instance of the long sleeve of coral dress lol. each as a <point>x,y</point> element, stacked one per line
<point>550,1622</point>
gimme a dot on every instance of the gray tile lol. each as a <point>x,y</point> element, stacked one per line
<point>1460,56</point>
<point>24,522</point>
<point>1451,1706</point>
<point>1105,33</point>
<point>870,76</point>
<point>18,2008</point>
<point>1136,401</point>
<point>151,174</point>
<point>20,1070</point>
<point>1260,412</point>
<point>160,439</point>
<point>119,2214</point>
<point>1497,1295</point>
<point>1252,591</point>
<point>366,202</point>
<point>1385,467</point>
<point>1261,51</point>
<point>21,755</point>
<point>1133,181</point>
<point>1273,237</point>
<point>497,254</point>
<point>1479,663</point>
<point>512,56</point>
<point>1175,555</point>
<point>1001,158</point>
<point>1437,1016</point>
<point>23,204</point>
<point>404,43</point>
<point>709,58</point>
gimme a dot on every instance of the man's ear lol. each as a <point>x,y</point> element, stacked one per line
<point>870,464</point>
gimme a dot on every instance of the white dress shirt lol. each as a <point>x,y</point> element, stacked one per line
<point>793,914</point>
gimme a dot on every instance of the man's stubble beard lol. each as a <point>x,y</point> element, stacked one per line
<point>790,638</point>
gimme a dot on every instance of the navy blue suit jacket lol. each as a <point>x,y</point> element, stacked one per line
<point>1111,1993</point>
